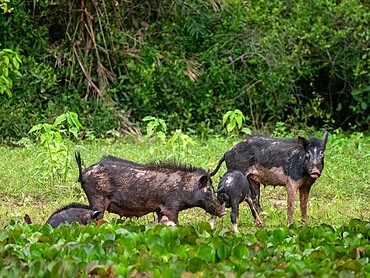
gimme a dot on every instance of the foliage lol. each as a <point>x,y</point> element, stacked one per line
<point>128,249</point>
<point>54,139</point>
<point>9,70</point>
<point>4,6</point>
<point>304,63</point>
<point>157,128</point>
<point>235,119</point>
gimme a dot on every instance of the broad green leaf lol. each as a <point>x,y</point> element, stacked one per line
<point>154,240</point>
<point>280,233</point>
<point>148,118</point>
<point>230,126</point>
<point>163,125</point>
<point>195,265</point>
<point>60,119</point>
<point>73,118</point>
<point>6,60</point>
<point>356,226</point>
<point>206,252</point>
<point>226,116</point>
<point>262,235</point>
<point>15,62</point>
<point>224,251</point>
<point>35,128</point>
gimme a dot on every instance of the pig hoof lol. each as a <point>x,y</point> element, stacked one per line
<point>170,223</point>
<point>166,221</point>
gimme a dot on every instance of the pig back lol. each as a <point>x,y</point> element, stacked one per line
<point>264,153</point>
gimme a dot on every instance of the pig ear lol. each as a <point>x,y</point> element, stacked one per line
<point>203,181</point>
<point>95,214</point>
<point>325,139</point>
<point>303,141</point>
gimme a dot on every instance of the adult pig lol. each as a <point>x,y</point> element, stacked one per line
<point>233,189</point>
<point>294,163</point>
<point>74,212</point>
<point>131,189</point>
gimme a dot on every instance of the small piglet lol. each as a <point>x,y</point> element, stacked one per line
<point>74,212</point>
<point>233,189</point>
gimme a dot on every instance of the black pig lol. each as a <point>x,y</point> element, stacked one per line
<point>131,189</point>
<point>294,163</point>
<point>234,188</point>
<point>73,213</point>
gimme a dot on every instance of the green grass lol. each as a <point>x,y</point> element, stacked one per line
<point>341,194</point>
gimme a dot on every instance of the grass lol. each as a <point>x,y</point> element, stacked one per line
<point>341,194</point>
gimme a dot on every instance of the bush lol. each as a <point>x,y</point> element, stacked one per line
<point>189,62</point>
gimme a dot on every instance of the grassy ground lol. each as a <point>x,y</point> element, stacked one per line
<point>341,194</point>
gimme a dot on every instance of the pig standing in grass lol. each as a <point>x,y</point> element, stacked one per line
<point>73,213</point>
<point>294,163</point>
<point>131,189</point>
<point>233,189</point>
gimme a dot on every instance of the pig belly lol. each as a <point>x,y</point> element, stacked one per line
<point>131,211</point>
<point>273,176</point>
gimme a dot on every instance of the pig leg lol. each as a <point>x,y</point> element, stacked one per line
<point>303,197</point>
<point>254,212</point>
<point>99,203</point>
<point>255,189</point>
<point>172,214</point>
<point>234,216</point>
<point>291,194</point>
<point>213,221</point>
<point>163,219</point>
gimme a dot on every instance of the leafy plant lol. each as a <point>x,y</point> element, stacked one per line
<point>9,65</point>
<point>4,6</point>
<point>126,248</point>
<point>235,120</point>
<point>180,141</point>
<point>156,127</point>
<point>55,140</point>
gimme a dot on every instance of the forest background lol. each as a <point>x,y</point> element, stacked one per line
<point>303,63</point>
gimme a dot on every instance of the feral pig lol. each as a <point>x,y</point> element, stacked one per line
<point>74,212</point>
<point>131,189</point>
<point>233,189</point>
<point>294,163</point>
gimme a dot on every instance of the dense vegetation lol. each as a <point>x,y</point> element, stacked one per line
<point>42,176</point>
<point>127,249</point>
<point>189,62</point>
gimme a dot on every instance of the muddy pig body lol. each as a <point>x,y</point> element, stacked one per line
<point>74,212</point>
<point>131,189</point>
<point>294,163</point>
<point>233,189</point>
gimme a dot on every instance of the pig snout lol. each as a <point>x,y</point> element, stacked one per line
<point>315,173</point>
<point>219,209</point>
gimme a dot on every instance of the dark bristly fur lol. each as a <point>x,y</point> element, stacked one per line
<point>132,189</point>
<point>294,163</point>
<point>74,212</point>
<point>156,165</point>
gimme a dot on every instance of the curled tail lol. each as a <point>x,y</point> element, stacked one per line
<point>79,164</point>
<point>218,166</point>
